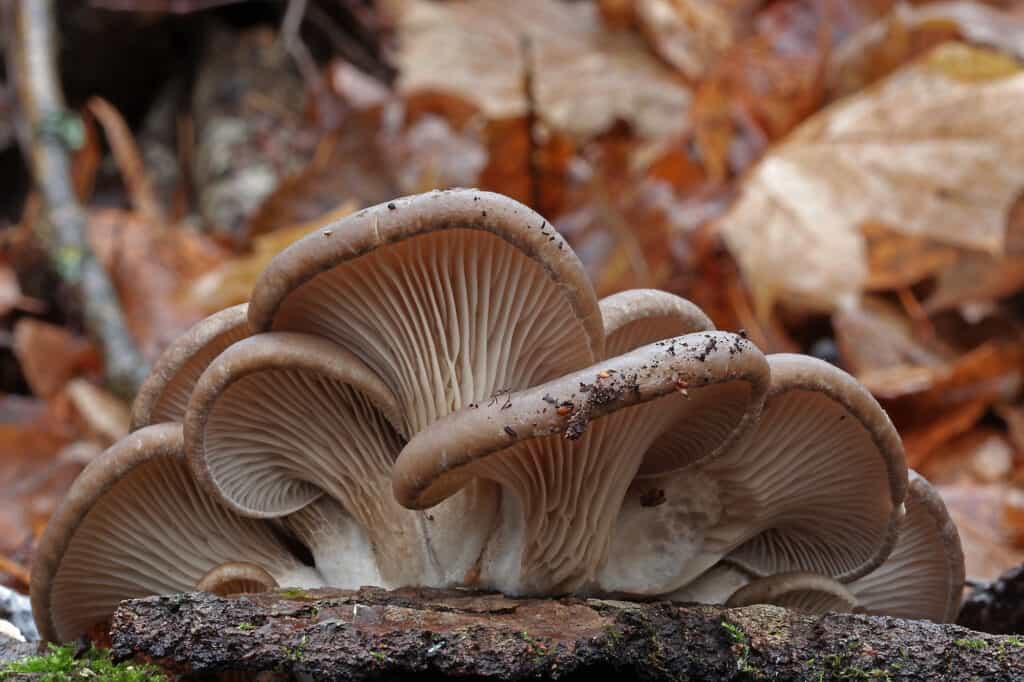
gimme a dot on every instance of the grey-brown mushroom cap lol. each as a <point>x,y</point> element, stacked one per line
<point>237,577</point>
<point>447,296</point>
<point>273,351</point>
<point>107,539</point>
<point>637,317</point>
<point>796,376</point>
<point>435,463</point>
<point>164,394</point>
<point>410,216</point>
<point>807,592</point>
<point>924,575</point>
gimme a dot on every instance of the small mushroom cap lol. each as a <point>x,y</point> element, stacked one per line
<point>447,296</point>
<point>923,578</point>
<point>164,394</point>
<point>236,577</point>
<point>278,418</point>
<point>134,524</point>
<point>565,451</point>
<point>713,586</point>
<point>637,317</point>
<point>807,592</point>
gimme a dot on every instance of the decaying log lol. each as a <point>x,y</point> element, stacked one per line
<point>374,634</point>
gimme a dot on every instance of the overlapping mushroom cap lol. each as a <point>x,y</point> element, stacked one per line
<point>429,393</point>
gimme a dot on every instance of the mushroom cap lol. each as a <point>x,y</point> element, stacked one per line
<point>164,394</point>
<point>815,486</point>
<point>807,592</point>
<point>135,523</point>
<point>236,577</point>
<point>821,479</point>
<point>923,577</point>
<point>637,317</point>
<point>280,419</point>
<point>713,586</point>
<point>433,465</point>
<point>448,296</point>
<point>565,451</point>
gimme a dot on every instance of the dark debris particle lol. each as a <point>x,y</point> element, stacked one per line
<point>510,432</point>
<point>549,399</point>
<point>743,333</point>
<point>391,206</point>
<point>483,214</point>
<point>652,497</point>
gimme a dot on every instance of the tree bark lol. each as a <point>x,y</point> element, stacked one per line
<point>373,634</point>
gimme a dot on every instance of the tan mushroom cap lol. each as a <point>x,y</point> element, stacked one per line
<point>164,394</point>
<point>448,296</point>
<point>637,317</point>
<point>279,419</point>
<point>135,523</point>
<point>565,451</point>
<point>807,592</point>
<point>236,577</point>
<point>924,575</point>
<point>819,485</point>
<point>815,486</point>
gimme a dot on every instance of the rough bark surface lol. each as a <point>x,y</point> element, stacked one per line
<point>373,634</point>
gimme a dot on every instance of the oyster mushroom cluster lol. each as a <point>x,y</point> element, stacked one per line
<point>429,393</point>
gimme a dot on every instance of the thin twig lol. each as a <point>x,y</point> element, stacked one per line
<point>45,131</point>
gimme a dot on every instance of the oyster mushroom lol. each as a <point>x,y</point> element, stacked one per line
<point>817,486</point>
<point>280,419</point>
<point>450,297</point>
<point>164,394</point>
<point>923,577</point>
<point>133,524</point>
<point>564,452</point>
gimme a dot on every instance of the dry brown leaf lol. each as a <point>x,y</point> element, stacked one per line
<point>689,34</point>
<point>873,334</point>
<point>231,282</point>
<point>105,416</point>
<point>586,77</point>
<point>149,264</point>
<point>985,533</point>
<point>32,478</point>
<point>908,31</point>
<point>50,355</point>
<point>922,443</point>
<point>921,151</point>
<point>976,278</point>
<point>897,260</point>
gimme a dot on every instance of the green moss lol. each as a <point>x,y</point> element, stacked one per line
<point>740,647</point>
<point>95,664</point>
<point>245,627</point>
<point>379,655</point>
<point>293,593</point>
<point>971,643</point>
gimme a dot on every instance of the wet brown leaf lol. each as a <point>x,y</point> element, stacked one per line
<point>50,355</point>
<point>923,151</point>
<point>873,334</point>
<point>985,533</point>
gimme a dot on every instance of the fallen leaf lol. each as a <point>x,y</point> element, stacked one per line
<point>925,153</point>
<point>231,282</point>
<point>689,34</point>
<point>985,533</point>
<point>923,442</point>
<point>586,77</point>
<point>897,260</point>
<point>149,264</point>
<point>873,334</point>
<point>105,416</point>
<point>908,31</point>
<point>50,355</point>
